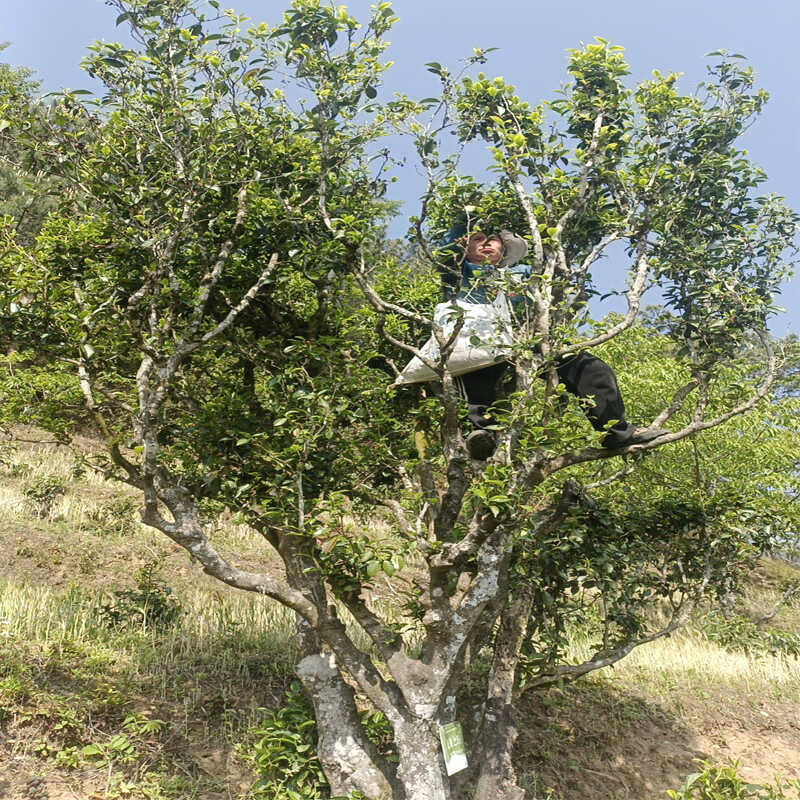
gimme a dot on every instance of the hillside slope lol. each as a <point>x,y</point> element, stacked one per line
<point>97,702</point>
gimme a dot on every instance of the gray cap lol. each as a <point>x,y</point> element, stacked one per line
<point>514,248</point>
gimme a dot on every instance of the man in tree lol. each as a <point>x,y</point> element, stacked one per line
<point>472,271</point>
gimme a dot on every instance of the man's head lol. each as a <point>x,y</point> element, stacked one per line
<point>502,249</point>
<point>484,249</point>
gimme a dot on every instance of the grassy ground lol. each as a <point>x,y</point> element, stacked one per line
<point>97,702</point>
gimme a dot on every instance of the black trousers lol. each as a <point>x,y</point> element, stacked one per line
<point>582,374</point>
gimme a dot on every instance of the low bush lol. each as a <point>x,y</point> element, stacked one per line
<point>116,517</point>
<point>738,633</point>
<point>724,783</point>
<point>43,492</point>
<point>285,755</point>
<point>150,605</point>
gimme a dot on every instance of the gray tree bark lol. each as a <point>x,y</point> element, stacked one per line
<point>421,767</point>
<point>345,755</point>
<point>497,779</point>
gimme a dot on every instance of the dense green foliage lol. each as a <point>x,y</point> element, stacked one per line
<point>154,177</point>
<point>24,189</point>
<point>284,753</point>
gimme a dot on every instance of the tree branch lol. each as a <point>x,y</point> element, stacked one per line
<point>633,297</point>
<point>605,658</point>
<point>387,641</point>
<point>211,278</point>
<point>537,470</point>
<point>793,589</point>
<point>231,316</point>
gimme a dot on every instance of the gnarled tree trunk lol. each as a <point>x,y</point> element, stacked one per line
<point>349,760</point>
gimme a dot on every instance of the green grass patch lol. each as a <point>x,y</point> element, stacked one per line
<point>139,702</point>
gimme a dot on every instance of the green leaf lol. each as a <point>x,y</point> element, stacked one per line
<point>690,780</point>
<point>371,92</point>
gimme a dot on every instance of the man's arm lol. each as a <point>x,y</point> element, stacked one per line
<point>449,254</point>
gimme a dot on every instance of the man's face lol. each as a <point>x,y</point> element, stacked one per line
<point>483,249</point>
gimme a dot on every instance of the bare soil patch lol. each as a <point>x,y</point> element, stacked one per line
<point>596,740</point>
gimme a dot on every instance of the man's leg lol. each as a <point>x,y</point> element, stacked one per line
<point>585,375</point>
<point>480,392</point>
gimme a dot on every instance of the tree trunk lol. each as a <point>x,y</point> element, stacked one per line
<point>421,768</point>
<point>349,761</point>
<point>498,779</point>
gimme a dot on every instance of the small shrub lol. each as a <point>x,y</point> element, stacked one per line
<point>119,748</point>
<point>150,605</point>
<point>14,687</point>
<point>285,755</point>
<point>9,460</point>
<point>286,758</point>
<point>68,758</point>
<point>724,783</point>
<point>784,642</point>
<point>78,469</point>
<point>742,634</point>
<point>117,517</point>
<point>43,492</point>
<point>378,730</point>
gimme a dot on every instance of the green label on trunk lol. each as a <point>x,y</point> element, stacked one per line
<point>455,754</point>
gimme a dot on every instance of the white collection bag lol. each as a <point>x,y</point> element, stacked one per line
<point>485,338</point>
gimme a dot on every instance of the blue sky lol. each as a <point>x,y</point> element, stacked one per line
<point>51,36</point>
